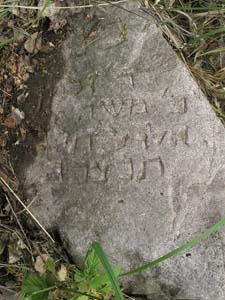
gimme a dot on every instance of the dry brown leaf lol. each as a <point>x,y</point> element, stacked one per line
<point>39,265</point>
<point>33,43</point>
<point>18,114</point>
<point>10,121</point>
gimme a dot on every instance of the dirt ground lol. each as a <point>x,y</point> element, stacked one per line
<point>31,66</point>
<point>26,78</point>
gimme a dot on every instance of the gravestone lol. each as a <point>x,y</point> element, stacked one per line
<point>134,157</point>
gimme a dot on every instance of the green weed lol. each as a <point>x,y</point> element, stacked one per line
<point>97,279</point>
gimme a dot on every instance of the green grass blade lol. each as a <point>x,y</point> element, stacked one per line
<point>219,1</point>
<point>6,42</point>
<point>4,12</point>
<point>44,290</point>
<point>219,112</point>
<point>45,6</point>
<point>207,34</point>
<point>214,51</point>
<point>206,8</point>
<point>108,269</point>
<point>180,249</point>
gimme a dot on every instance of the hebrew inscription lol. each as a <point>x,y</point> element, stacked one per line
<point>151,168</point>
<point>98,171</point>
<point>102,135</point>
<point>138,106</point>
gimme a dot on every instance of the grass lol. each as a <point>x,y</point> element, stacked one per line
<point>195,29</point>
<point>92,281</point>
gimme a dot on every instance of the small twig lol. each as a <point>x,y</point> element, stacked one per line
<point>20,225</point>
<point>4,92</point>
<point>15,266</point>
<point>13,231</point>
<point>10,230</point>
<point>62,7</point>
<point>4,288</point>
<point>6,228</point>
<point>28,205</point>
<point>128,297</point>
<point>24,206</point>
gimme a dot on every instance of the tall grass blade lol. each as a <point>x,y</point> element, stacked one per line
<point>45,6</point>
<point>214,51</point>
<point>108,269</point>
<point>206,8</point>
<point>4,12</point>
<point>207,34</point>
<point>6,42</point>
<point>180,249</point>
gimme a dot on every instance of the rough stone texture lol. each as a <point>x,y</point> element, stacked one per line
<point>134,157</point>
<point>7,296</point>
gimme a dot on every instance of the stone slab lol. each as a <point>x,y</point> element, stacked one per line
<point>134,157</point>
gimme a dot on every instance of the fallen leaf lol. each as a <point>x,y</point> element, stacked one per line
<point>15,118</point>
<point>18,114</point>
<point>33,43</point>
<point>62,273</point>
<point>10,121</point>
<point>39,265</point>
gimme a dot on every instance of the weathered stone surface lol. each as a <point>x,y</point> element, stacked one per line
<point>134,157</point>
<point>7,296</point>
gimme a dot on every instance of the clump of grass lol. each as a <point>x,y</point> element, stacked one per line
<point>196,29</point>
